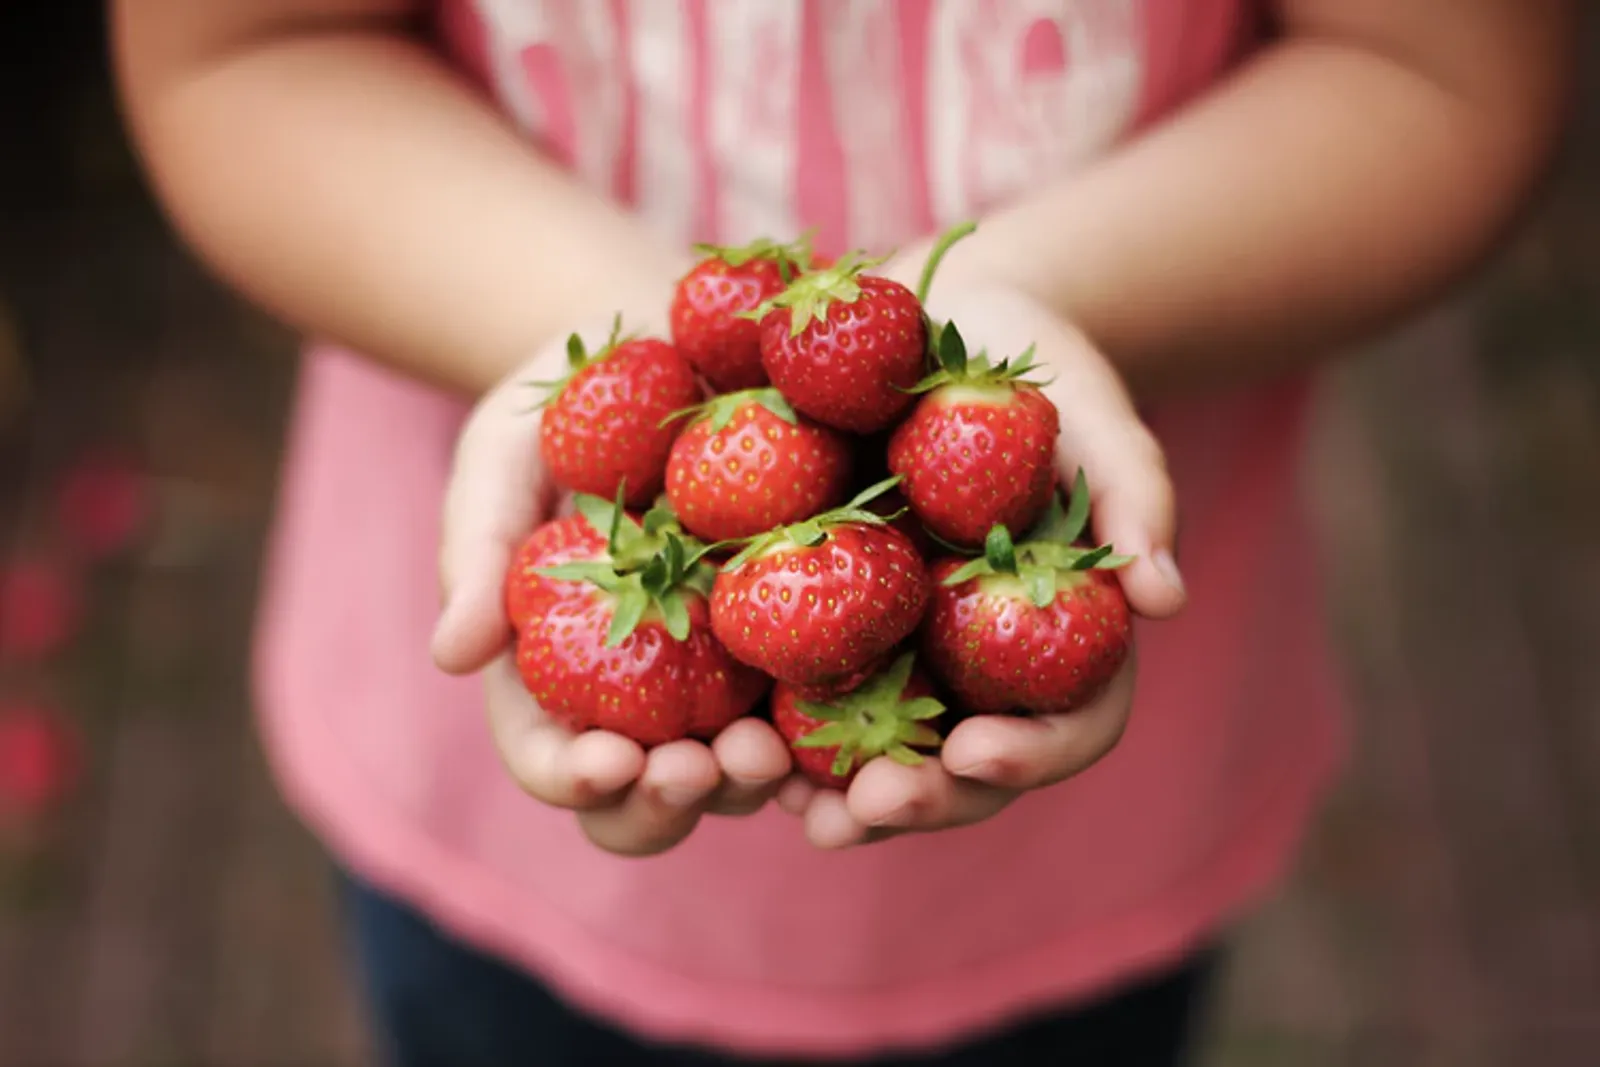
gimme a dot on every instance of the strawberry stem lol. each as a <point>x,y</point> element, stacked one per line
<point>937,254</point>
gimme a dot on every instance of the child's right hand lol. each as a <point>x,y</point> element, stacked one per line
<point>627,800</point>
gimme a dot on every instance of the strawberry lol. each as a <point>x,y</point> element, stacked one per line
<point>603,423</point>
<point>978,450</point>
<point>41,760</point>
<point>707,324</point>
<point>631,650</point>
<point>1039,627</point>
<point>818,602</point>
<point>746,463</point>
<point>582,537</point>
<point>889,715</point>
<point>846,346</point>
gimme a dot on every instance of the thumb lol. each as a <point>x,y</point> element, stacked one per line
<point>1134,509</point>
<point>495,496</point>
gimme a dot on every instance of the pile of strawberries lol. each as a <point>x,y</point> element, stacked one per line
<point>812,502</point>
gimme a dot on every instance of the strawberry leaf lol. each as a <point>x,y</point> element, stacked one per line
<point>808,533</point>
<point>778,404</point>
<point>999,550</point>
<point>906,757</point>
<point>1092,558</point>
<point>631,604</point>
<point>870,493</point>
<point>826,736</point>
<point>922,708</point>
<point>1077,517</point>
<point>952,352</point>
<point>658,520</point>
<point>1040,582</point>
<point>973,568</point>
<point>845,761</point>
<point>892,682</point>
<point>600,514</point>
<point>600,574</point>
<point>675,614</point>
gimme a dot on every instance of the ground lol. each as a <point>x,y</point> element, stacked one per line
<point>1446,911</point>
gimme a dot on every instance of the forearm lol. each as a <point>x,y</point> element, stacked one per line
<point>1323,192</point>
<point>349,183</point>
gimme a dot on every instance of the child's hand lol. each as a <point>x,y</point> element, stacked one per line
<point>988,761</point>
<point>627,800</point>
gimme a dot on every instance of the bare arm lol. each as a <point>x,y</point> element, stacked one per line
<point>325,162</point>
<point>1361,163</point>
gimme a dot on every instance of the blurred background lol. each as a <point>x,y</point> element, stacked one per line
<point>158,906</point>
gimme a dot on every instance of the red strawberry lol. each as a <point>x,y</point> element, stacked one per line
<point>103,503</point>
<point>570,539</point>
<point>889,715</point>
<point>707,325</point>
<point>1039,627</point>
<point>598,532</point>
<point>748,463</point>
<point>603,423</point>
<point>40,760</point>
<point>817,602</point>
<point>845,346</point>
<point>978,450</point>
<point>40,609</point>
<point>634,652</point>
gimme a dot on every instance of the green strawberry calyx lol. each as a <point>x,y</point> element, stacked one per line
<point>956,368</point>
<point>809,533</point>
<point>876,719</point>
<point>794,256</point>
<point>1049,551</point>
<point>721,408</point>
<point>580,358</point>
<point>651,566</point>
<point>810,295</point>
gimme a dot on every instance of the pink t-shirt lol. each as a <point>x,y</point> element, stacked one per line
<point>874,121</point>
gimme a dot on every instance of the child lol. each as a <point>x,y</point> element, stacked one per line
<point>1185,203</point>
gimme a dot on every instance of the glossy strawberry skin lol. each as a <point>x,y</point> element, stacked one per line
<point>974,458</point>
<point>605,428</point>
<point>813,616</point>
<point>650,687</point>
<point>707,325</point>
<point>570,539</point>
<point>755,473</point>
<point>850,370</point>
<point>792,724</point>
<point>998,653</point>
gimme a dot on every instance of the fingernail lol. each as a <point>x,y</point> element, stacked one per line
<point>1168,567</point>
<point>898,817</point>
<point>983,769</point>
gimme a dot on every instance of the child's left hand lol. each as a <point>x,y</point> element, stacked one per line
<point>988,761</point>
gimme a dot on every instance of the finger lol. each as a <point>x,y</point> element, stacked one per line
<point>497,492</point>
<point>550,763</point>
<point>1134,506</point>
<point>890,796</point>
<point>829,824</point>
<point>794,795</point>
<point>754,761</point>
<point>663,808</point>
<point>1028,753</point>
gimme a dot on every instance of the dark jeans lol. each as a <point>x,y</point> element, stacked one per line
<point>437,1003</point>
